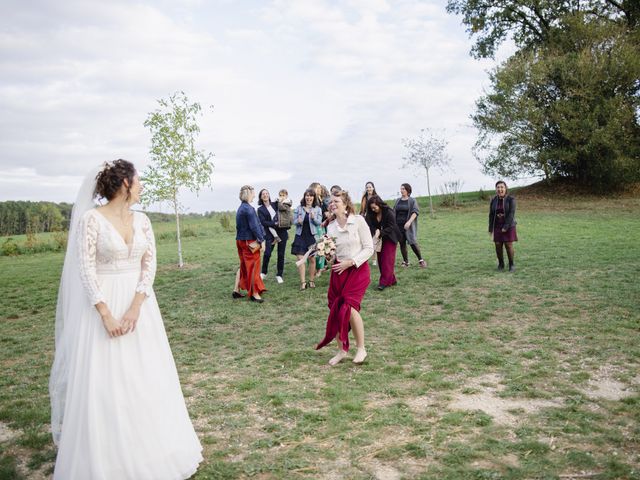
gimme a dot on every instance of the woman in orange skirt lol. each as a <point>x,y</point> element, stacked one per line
<point>250,244</point>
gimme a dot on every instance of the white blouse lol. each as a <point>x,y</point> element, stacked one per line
<point>353,241</point>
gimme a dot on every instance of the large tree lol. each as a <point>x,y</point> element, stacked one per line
<point>175,161</point>
<point>567,102</point>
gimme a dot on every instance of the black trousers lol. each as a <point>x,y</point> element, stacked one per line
<point>282,246</point>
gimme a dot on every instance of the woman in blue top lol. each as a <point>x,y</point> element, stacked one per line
<point>306,217</point>
<point>250,243</point>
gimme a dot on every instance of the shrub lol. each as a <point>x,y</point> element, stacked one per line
<point>225,222</point>
<point>189,232</point>
<point>10,247</point>
<point>450,192</point>
<point>60,239</point>
<point>482,195</point>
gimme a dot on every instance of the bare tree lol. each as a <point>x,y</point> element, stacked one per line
<point>426,151</point>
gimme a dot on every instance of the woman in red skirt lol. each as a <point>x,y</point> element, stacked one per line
<point>382,223</point>
<point>502,224</point>
<point>250,244</point>
<point>350,277</point>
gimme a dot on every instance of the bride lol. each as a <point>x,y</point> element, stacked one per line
<point>117,410</point>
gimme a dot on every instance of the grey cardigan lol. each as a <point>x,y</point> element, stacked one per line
<point>412,233</point>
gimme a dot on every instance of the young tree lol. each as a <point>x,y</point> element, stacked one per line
<point>426,151</point>
<point>176,163</point>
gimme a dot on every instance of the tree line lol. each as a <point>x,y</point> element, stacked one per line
<point>24,217</point>
<point>567,102</point>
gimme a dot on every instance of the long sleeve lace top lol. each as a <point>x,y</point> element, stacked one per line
<point>103,250</point>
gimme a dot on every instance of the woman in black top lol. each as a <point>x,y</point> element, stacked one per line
<point>268,215</point>
<point>502,224</point>
<point>407,211</point>
<point>383,226</point>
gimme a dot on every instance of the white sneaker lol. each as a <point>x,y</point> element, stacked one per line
<point>279,279</point>
<point>263,276</point>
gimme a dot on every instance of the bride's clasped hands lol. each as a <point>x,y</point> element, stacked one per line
<point>127,323</point>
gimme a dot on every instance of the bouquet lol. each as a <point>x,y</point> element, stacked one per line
<point>325,247</point>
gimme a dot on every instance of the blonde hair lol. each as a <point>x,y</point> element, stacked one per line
<point>245,190</point>
<point>346,199</point>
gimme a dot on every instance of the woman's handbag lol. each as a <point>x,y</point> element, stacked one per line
<point>377,244</point>
<point>254,246</point>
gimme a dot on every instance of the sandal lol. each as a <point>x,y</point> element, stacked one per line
<point>423,263</point>
<point>303,286</point>
<point>312,284</point>
<point>404,264</point>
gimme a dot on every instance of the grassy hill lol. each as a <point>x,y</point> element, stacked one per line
<point>471,373</point>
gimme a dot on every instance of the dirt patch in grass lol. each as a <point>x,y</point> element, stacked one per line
<point>7,433</point>
<point>510,460</point>
<point>422,403</point>
<point>502,410</point>
<point>22,455</point>
<point>338,469</point>
<point>382,471</point>
<point>603,386</point>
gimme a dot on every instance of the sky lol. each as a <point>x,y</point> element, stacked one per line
<point>293,92</point>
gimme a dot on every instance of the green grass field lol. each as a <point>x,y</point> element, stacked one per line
<point>472,373</point>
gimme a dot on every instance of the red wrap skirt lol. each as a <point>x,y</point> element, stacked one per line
<point>250,279</point>
<point>346,291</point>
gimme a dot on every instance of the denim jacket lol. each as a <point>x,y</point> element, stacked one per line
<point>315,218</point>
<point>247,225</point>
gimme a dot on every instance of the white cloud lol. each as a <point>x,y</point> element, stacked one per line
<point>303,90</point>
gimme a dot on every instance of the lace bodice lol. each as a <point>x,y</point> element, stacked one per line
<point>104,251</point>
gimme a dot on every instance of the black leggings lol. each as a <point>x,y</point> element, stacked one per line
<point>403,246</point>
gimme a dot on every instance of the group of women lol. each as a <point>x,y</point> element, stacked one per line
<point>117,409</point>
<point>264,232</point>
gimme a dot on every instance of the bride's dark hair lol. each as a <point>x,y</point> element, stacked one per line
<point>112,177</point>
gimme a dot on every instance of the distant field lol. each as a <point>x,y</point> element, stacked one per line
<point>471,373</point>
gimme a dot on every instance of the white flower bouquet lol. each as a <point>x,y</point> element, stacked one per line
<point>325,247</point>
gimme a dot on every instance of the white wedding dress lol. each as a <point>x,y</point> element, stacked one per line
<point>123,415</point>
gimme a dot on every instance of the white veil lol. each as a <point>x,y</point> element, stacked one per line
<point>71,302</point>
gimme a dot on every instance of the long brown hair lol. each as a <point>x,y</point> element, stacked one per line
<point>365,199</point>
<point>309,191</point>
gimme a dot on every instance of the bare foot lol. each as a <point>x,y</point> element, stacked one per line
<point>361,355</point>
<point>337,358</point>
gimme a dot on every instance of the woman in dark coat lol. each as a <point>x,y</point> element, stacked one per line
<point>502,224</point>
<point>268,215</point>
<point>382,223</point>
